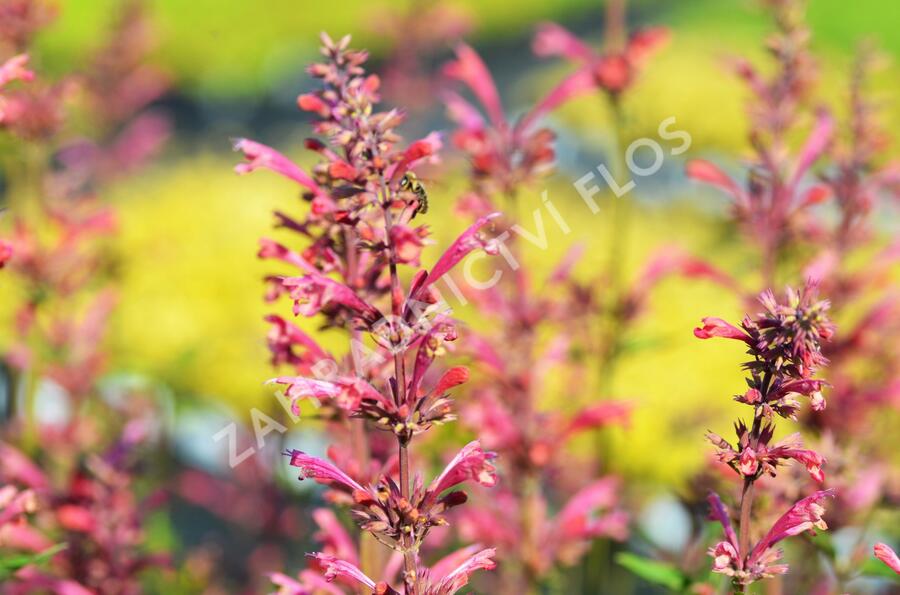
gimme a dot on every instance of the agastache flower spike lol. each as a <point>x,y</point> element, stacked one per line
<point>355,236</point>
<point>785,342</point>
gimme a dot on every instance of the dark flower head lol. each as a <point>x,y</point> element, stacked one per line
<point>790,335</point>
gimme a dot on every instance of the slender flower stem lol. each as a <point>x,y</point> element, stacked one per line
<point>746,509</point>
<point>409,558</point>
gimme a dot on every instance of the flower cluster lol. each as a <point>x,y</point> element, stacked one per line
<point>613,71</point>
<point>785,342</point>
<point>504,155</point>
<point>358,231</point>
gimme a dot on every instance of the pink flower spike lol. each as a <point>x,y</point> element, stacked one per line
<point>262,156</point>
<point>884,553</point>
<point>321,470</point>
<point>14,70</point>
<point>554,40</point>
<point>469,69</point>
<point>716,327</point>
<point>462,112</point>
<point>471,463</point>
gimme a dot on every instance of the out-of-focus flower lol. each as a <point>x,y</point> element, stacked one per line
<point>612,71</point>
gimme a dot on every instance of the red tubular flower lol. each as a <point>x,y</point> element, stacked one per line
<point>336,568</point>
<point>458,578</point>
<point>716,327</point>
<point>314,291</point>
<point>322,471</point>
<point>260,156</point>
<point>472,463</point>
<point>805,515</point>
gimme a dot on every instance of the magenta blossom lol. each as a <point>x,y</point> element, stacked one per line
<point>612,71</point>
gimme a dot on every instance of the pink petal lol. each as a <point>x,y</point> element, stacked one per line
<point>471,463</point>
<point>805,515</point>
<point>272,249</point>
<point>462,112</point>
<point>469,69</point>
<point>704,171</point>
<point>815,145</point>
<point>457,578</point>
<point>314,291</point>
<point>459,249</point>
<point>321,470</point>
<point>581,517</point>
<point>417,151</point>
<point>6,252</point>
<point>335,568</point>
<point>333,536</point>
<point>262,156</point>
<point>716,327</point>
<point>554,40</point>
<point>717,512</point>
<point>645,42</point>
<point>888,556</point>
<point>600,415</point>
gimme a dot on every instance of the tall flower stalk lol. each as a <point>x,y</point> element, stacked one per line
<point>780,208</point>
<point>359,232</point>
<point>540,518</point>
<point>785,344</point>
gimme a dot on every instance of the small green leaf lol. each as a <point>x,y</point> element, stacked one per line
<point>875,568</point>
<point>11,564</point>
<point>654,571</point>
